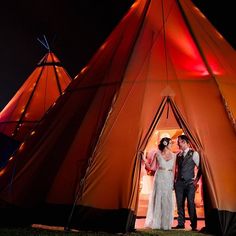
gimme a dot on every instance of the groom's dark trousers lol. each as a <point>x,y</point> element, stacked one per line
<point>184,188</point>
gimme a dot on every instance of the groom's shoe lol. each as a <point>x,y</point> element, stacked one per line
<point>178,227</point>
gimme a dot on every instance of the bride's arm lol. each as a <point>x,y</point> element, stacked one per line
<point>154,161</point>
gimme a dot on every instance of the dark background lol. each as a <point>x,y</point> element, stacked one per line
<point>75,29</point>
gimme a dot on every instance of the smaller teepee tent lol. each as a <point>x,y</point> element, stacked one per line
<point>46,83</point>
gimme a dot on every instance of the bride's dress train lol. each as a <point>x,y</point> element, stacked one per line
<point>161,205</point>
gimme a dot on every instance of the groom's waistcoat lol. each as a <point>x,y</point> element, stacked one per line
<point>185,166</point>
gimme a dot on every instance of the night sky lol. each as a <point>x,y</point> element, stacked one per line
<point>74,33</point>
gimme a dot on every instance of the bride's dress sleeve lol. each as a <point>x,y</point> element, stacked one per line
<point>153,162</point>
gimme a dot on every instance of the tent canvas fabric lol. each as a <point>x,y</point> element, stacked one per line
<point>45,84</point>
<point>164,56</point>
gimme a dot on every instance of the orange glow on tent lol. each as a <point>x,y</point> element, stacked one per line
<point>2,172</point>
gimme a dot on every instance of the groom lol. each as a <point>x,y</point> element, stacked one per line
<point>186,182</point>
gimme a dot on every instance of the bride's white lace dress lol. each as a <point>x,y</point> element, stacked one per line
<point>161,205</point>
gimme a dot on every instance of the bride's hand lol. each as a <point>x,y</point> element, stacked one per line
<point>144,160</point>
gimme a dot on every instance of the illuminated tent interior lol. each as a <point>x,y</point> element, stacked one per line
<point>167,126</point>
<point>81,166</point>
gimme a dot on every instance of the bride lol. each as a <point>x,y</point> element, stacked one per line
<point>161,206</point>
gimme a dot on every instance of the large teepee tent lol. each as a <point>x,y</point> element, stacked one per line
<point>45,84</point>
<point>163,58</point>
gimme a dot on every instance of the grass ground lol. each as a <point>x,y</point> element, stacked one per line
<point>43,232</point>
